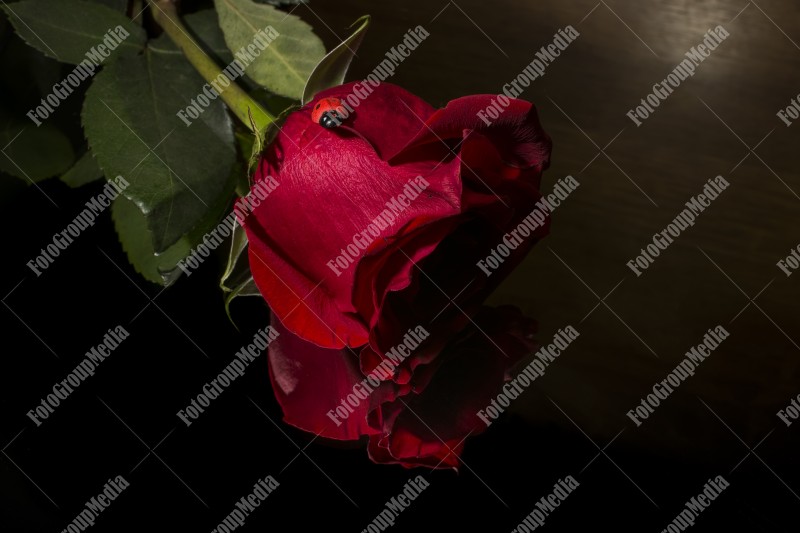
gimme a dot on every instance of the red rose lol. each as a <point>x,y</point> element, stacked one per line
<point>376,224</point>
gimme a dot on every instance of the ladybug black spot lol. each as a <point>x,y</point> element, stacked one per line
<point>317,106</point>
<point>330,119</point>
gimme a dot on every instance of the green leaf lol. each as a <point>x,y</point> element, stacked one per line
<point>83,172</point>
<point>130,109</point>
<point>246,142</point>
<point>67,29</point>
<point>285,65</point>
<point>137,243</point>
<point>237,259</point>
<point>204,28</point>
<point>137,240</point>
<point>33,153</point>
<point>246,288</point>
<point>263,138</point>
<point>237,280</point>
<point>331,71</point>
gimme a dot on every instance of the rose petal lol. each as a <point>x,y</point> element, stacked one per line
<point>327,195</point>
<point>517,132</point>
<point>387,118</point>
<point>435,423</point>
<point>310,381</point>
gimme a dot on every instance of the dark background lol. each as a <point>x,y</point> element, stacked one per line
<point>721,421</point>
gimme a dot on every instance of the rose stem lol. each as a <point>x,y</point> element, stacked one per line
<point>243,106</point>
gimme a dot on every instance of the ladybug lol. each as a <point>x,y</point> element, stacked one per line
<point>329,113</point>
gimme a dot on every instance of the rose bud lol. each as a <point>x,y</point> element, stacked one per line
<point>376,227</point>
